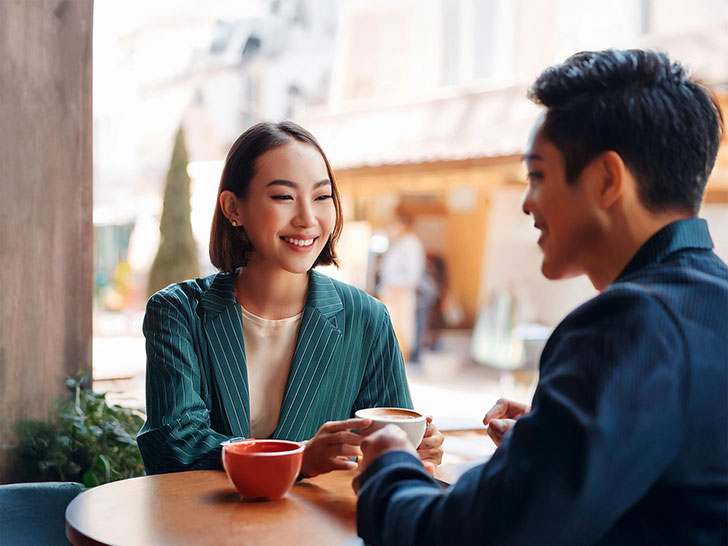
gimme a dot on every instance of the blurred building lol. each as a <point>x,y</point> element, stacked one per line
<point>215,68</point>
<point>428,107</point>
<point>414,101</point>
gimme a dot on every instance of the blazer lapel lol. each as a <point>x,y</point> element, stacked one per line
<point>223,327</point>
<point>318,337</point>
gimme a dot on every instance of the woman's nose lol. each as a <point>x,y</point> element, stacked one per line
<point>304,215</point>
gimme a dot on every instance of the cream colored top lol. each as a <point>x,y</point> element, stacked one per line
<point>269,346</point>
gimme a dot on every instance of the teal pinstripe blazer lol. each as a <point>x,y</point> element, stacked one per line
<point>346,358</point>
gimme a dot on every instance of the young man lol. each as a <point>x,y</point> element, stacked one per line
<point>627,440</point>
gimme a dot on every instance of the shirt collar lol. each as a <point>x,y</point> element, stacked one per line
<point>679,235</point>
<point>322,294</point>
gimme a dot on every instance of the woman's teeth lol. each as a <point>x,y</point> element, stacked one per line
<point>298,242</point>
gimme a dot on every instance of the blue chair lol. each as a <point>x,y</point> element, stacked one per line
<point>35,513</point>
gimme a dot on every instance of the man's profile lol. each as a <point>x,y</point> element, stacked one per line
<point>627,438</point>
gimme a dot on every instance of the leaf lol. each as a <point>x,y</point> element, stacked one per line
<point>96,430</point>
<point>104,462</point>
<point>90,479</point>
<point>85,440</point>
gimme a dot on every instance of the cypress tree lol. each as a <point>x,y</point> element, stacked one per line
<point>176,258</point>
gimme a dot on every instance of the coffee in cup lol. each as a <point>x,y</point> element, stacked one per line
<point>411,422</point>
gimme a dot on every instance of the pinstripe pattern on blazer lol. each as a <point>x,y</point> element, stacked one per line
<point>346,358</point>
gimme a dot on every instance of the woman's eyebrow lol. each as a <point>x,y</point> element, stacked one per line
<point>323,182</point>
<point>278,182</point>
<point>290,184</point>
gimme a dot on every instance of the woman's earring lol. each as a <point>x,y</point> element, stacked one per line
<point>234,222</point>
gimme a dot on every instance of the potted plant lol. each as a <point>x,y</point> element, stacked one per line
<point>86,440</point>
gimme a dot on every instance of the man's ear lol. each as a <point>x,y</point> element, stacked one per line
<point>614,178</point>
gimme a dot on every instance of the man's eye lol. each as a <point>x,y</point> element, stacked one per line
<point>282,197</point>
<point>534,177</point>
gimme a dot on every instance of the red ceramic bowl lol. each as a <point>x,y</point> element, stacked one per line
<point>262,469</point>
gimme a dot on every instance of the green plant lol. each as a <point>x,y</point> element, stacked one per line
<point>85,441</point>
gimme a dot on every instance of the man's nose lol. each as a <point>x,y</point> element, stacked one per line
<point>526,201</point>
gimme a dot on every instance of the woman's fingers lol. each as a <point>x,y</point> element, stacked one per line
<point>429,467</point>
<point>433,442</point>
<point>429,428</point>
<point>434,456</point>
<point>341,464</point>
<point>335,444</point>
<point>350,451</point>
<point>349,424</point>
<point>344,437</point>
<point>430,449</point>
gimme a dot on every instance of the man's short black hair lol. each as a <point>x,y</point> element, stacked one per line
<point>665,126</point>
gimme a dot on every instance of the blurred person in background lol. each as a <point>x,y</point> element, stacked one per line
<point>431,292</point>
<point>268,347</point>
<point>627,438</point>
<point>401,272</point>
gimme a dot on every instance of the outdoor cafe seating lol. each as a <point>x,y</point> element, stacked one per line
<point>33,513</point>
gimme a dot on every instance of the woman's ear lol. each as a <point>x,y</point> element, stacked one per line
<point>230,206</point>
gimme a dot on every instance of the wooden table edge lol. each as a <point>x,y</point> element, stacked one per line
<point>76,538</point>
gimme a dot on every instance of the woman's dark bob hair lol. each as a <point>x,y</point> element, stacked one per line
<point>229,246</point>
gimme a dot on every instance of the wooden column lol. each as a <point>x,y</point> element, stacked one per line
<point>45,207</point>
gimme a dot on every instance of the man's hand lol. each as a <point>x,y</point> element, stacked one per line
<point>502,416</point>
<point>389,438</point>
<point>430,449</point>
<point>332,446</point>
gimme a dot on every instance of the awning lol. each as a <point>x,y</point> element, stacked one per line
<point>475,125</point>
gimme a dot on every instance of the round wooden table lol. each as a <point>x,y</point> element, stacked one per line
<point>202,507</point>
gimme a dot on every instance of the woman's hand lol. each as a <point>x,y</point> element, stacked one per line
<point>332,446</point>
<point>430,449</point>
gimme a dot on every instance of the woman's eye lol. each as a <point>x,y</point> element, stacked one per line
<point>282,197</point>
<point>323,197</point>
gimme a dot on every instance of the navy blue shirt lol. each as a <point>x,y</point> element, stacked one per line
<point>627,439</point>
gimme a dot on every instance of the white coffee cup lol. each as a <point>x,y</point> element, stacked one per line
<point>413,423</point>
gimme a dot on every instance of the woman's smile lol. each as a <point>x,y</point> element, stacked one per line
<point>300,245</point>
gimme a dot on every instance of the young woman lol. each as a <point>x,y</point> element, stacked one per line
<point>269,347</point>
